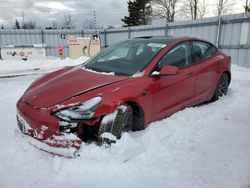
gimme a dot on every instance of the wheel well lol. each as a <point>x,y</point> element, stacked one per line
<point>138,112</point>
<point>228,75</point>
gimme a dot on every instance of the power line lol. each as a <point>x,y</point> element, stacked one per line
<point>73,13</point>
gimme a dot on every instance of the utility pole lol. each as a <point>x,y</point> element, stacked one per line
<point>95,23</point>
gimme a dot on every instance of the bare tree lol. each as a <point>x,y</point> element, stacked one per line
<point>111,27</point>
<point>190,8</point>
<point>202,9</point>
<point>68,22</point>
<point>224,6</point>
<point>194,9</point>
<point>54,25</point>
<point>193,5</point>
<point>247,7</point>
<point>165,9</point>
<point>88,24</point>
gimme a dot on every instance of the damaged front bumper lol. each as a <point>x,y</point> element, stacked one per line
<point>63,144</point>
<point>54,135</point>
<point>43,131</point>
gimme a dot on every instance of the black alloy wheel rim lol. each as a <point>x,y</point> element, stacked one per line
<point>128,121</point>
<point>223,85</point>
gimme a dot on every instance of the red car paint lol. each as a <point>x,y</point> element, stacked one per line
<point>159,97</point>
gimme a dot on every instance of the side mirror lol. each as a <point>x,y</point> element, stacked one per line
<point>167,70</point>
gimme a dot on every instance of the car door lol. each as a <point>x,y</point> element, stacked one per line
<point>206,66</point>
<point>172,93</point>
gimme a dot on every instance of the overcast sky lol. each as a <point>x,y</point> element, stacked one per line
<point>44,12</point>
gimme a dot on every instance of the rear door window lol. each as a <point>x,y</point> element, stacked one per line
<point>201,50</point>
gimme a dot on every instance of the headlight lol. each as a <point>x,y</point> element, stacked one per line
<point>85,110</point>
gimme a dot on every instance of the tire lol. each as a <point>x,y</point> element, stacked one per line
<point>123,122</point>
<point>221,88</point>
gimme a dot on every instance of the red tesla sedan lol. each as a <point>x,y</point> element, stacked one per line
<point>123,88</point>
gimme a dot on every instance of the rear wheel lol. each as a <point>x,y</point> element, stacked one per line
<point>221,88</point>
<point>122,122</point>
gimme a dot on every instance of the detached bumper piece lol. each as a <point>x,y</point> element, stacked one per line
<point>63,144</point>
<point>66,145</point>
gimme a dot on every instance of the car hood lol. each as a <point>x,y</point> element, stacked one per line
<point>64,84</point>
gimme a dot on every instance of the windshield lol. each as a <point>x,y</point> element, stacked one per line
<point>126,58</point>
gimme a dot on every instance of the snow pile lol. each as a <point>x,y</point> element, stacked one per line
<point>20,67</point>
<point>206,146</point>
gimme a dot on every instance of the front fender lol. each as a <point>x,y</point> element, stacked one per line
<point>106,107</point>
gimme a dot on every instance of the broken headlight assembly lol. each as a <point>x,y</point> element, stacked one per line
<point>82,111</point>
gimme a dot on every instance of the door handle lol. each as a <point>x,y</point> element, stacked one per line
<point>145,92</point>
<point>217,63</point>
<point>190,73</point>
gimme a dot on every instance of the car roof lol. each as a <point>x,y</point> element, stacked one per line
<point>169,39</point>
<point>159,39</point>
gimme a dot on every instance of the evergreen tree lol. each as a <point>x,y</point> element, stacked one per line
<point>133,18</point>
<point>29,25</point>
<point>139,13</point>
<point>145,11</point>
<point>17,25</point>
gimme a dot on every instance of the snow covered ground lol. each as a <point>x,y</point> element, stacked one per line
<point>35,66</point>
<point>206,146</point>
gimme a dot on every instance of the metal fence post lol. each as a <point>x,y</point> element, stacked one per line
<point>129,33</point>
<point>1,44</point>
<point>42,36</point>
<point>1,41</point>
<point>218,32</point>
<point>166,30</point>
<point>105,38</point>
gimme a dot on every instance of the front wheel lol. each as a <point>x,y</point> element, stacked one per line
<point>112,125</point>
<point>221,88</point>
